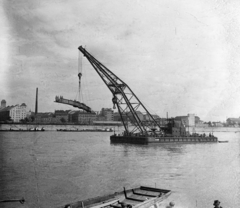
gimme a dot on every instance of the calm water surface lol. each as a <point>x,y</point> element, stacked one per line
<point>50,169</point>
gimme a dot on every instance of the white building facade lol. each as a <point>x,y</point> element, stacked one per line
<point>18,112</point>
<point>191,120</point>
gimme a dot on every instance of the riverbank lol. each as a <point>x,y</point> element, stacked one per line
<point>48,127</point>
<point>54,127</point>
<point>213,129</point>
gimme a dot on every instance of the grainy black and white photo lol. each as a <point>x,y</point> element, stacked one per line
<point>120,104</point>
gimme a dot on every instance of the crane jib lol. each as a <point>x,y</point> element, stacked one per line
<point>124,99</point>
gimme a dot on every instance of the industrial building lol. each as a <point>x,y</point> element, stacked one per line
<point>233,121</point>
<point>86,118</point>
<point>107,114</point>
<point>188,120</point>
<point>14,113</point>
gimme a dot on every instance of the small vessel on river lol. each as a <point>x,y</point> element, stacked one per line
<point>17,130</point>
<point>86,130</point>
<point>140,197</point>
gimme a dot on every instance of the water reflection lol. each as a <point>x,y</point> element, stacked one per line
<point>171,148</point>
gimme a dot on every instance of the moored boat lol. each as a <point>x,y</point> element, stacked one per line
<point>140,197</point>
<point>17,130</point>
<point>86,130</point>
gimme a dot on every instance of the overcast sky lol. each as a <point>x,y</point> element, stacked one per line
<point>178,57</point>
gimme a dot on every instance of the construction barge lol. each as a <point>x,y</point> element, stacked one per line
<point>170,139</point>
<point>129,106</point>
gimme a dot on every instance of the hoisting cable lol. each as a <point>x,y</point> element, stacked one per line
<point>85,82</point>
<point>79,75</point>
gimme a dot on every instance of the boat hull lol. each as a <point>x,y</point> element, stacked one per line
<point>141,197</point>
<point>147,140</point>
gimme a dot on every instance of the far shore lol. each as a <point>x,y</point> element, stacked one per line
<point>54,127</point>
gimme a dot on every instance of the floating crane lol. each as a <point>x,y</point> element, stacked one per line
<point>128,105</point>
<point>124,99</point>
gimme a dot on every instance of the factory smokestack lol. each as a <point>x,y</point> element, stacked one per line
<point>36,104</point>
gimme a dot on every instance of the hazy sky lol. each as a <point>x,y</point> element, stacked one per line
<point>178,57</point>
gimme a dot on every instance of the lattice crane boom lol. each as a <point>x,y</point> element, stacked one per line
<point>124,98</point>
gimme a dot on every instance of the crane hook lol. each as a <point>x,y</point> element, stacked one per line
<point>114,100</point>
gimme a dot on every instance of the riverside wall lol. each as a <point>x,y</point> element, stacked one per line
<point>212,129</point>
<point>53,127</point>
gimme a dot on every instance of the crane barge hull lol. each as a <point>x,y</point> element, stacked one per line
<point>149,139</point>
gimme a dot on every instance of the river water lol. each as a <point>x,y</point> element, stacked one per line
<point>51,169</point>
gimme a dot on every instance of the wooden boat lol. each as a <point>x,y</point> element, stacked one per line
<point>141,197</point>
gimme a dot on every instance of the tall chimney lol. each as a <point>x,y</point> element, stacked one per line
<point>36,104</point>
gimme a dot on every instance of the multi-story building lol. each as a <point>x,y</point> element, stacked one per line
<point>5,113</point>
<point>18,112</point>
<point>3,104</point>
<point>197,120</point>
<point>107,113</point>
<point>73,116</point>
<point>100,118</point>
<point>14,113</point>
<point>61,116</point>
<point>116,116</point>
<point>233,121</point>
<point>86,118</point>
<point>188,120</point>
<point>132,119</point>
<point>45,118</point>
<point>191,120</point>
